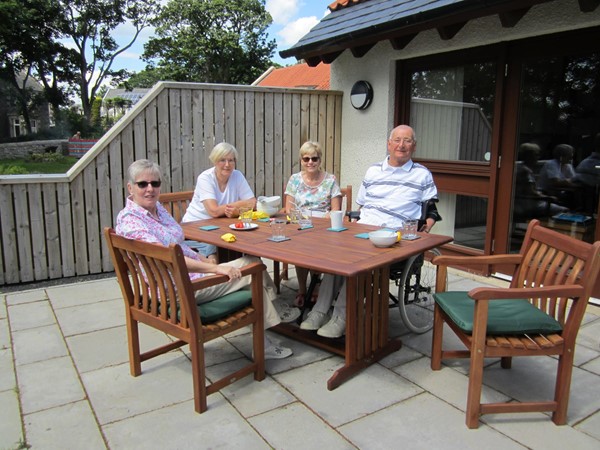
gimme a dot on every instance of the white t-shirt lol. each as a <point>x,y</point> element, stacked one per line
<point>207,187</point>
<point>390,195</point>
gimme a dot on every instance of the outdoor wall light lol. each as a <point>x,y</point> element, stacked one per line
<point>361,95</point>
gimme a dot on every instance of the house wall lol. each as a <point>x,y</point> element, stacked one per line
<point>365,132</point>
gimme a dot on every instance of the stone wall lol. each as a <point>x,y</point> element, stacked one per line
<point>24,149</point>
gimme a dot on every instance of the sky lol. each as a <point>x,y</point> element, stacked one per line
<point>292,19</point>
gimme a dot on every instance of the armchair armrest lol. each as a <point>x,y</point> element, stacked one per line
<point>446,260</point>
<point>213,280</point>
<point>488,293</point>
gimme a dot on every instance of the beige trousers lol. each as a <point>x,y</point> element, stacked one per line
<point>269,290</point>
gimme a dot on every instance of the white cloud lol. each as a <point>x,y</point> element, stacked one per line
<point>282,10</point>
<point>293,31</point>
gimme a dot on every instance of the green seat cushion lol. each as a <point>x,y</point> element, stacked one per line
<point>509,316</point>
<point>223,306</point>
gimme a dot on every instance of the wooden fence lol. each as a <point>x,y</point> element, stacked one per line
<point>50,225</point>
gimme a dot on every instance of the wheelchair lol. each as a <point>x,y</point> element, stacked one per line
<point>415,279</point>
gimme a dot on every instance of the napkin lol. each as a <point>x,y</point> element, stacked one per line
<point>228,237</point>
<point>259,215</point>
<point>337,229</point>
<point>362,235</point>
<point>209,227</point>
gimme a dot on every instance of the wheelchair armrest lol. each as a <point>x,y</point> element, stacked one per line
<point>353,215</point>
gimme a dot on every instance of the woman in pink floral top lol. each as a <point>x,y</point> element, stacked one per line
<point>145,219</point>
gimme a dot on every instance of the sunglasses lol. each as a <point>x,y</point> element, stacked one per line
<point>144,184</point>
<point>310,158</point>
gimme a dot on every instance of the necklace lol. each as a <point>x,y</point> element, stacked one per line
<point>312,182</point>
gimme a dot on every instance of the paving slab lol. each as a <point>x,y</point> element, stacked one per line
<point>69,426</point>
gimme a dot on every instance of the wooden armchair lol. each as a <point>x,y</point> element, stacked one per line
<point>176,203</point>
<point>158,292</point>
<point>539,314</point>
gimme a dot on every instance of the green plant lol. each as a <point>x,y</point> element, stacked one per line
<point>47,157</point>
<point>12,170</point>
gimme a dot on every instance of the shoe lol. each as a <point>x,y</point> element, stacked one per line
<point>335,328</point>
<point>313,321</point>
<point>277,352</point>
<point>287,313</point>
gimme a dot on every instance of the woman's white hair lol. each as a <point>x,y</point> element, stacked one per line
<point>222,150</point>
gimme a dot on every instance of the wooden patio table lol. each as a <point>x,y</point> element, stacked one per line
<point>365,267</point>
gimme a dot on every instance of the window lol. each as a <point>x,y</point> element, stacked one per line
<point>451,109</point>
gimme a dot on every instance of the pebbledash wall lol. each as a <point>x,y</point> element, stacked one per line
<point>24,149</point>
<point>365,132</point>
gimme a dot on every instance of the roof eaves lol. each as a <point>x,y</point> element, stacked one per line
<point>362,25</point>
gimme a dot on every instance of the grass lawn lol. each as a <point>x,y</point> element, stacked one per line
<point>38,166</point>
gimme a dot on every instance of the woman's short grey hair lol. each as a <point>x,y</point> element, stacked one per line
<point>311,147</point>
<point>142,165</point>
<point>221,151</point>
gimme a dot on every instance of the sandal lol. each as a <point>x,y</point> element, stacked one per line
<point>299,300</point>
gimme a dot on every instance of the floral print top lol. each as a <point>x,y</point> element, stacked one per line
<point>316,198</point>
<point>135,222</point>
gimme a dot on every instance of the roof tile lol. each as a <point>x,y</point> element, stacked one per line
<point>299,76</point>
<point>339,4</point>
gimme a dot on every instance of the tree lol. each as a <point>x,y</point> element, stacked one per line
<point>90,24</point>
<point>146,78</point>
<point>217,41</point>
<point>28,35</point>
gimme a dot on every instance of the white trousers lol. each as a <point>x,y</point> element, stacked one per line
<point>331,285</point>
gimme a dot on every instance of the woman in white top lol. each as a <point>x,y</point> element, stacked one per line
<point>220,191</point>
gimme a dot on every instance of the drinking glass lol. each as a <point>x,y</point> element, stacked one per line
<point>246,215</point>
<point>305,220</point>
<point>409,230</point>
<point>278,230</point>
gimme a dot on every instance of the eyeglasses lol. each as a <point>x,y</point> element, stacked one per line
<point>144,184</point>
<point>399,141</point>
<point>311,158</point>
<point>225,160</point>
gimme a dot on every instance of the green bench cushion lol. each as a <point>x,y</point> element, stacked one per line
<point>223,306</point>
<point>510,316</point>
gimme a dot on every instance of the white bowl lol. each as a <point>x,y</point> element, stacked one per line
<point>269,210</point>
<point>383,238</point>
<point>272,202</point>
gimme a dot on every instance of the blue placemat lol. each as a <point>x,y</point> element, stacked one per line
<point>208,227</point>
<point>278,240</point>
<point>574,218</point>
<point>362,235</point>
<point>337,229</point>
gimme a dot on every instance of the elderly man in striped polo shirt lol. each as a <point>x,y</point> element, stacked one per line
<point>392,191</point>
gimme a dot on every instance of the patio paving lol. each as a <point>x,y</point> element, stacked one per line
<point>65,384</point>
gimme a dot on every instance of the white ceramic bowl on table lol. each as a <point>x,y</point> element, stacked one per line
<point>268,205</point>
<point>383,238</point>
<point>269,210</point>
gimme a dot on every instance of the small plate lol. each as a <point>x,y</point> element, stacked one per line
<point>247,227</point>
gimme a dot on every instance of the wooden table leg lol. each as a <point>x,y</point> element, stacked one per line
<point>367,322</point>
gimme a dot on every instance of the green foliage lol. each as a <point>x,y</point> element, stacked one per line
<point>47,157</point>
<point>6,169</point>
<point>146,78</point>
<point>28,166</point>
<point>216,41</point>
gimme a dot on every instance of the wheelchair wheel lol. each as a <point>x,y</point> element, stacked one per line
<point>416,287</point>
